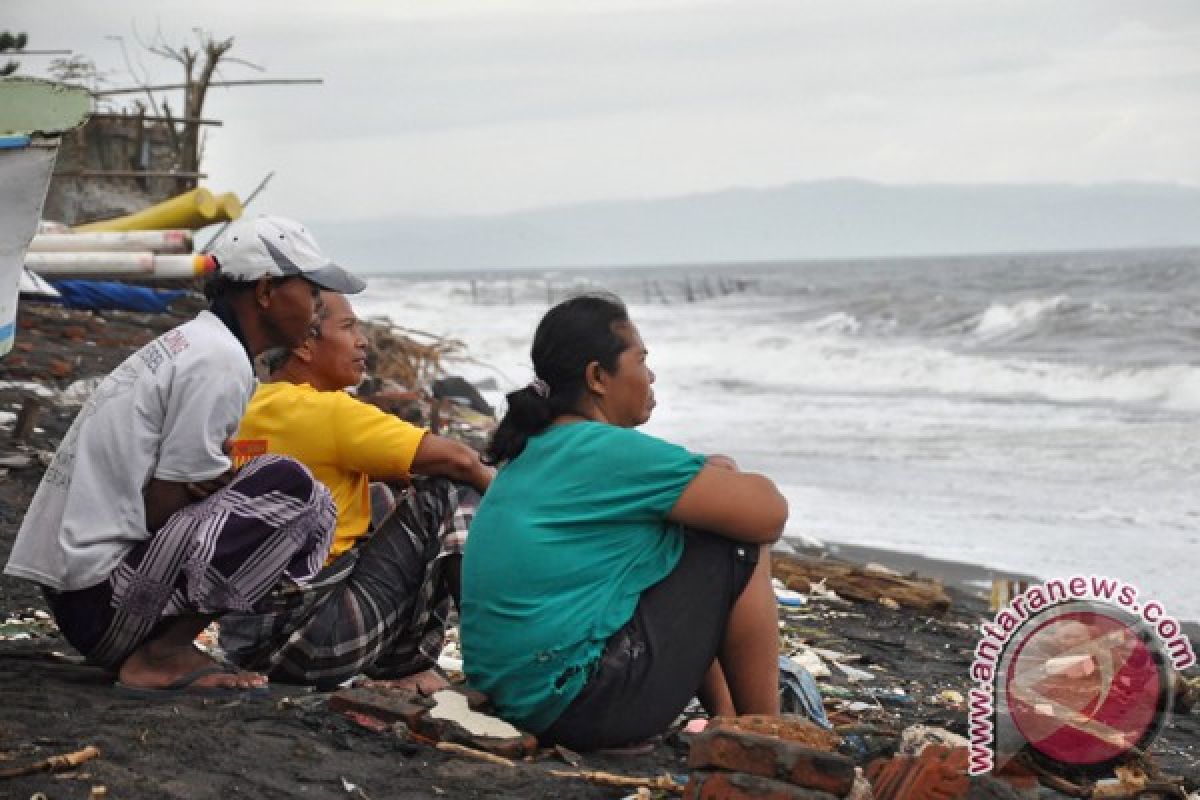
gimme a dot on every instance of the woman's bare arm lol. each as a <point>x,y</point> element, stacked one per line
<point>737,505</point>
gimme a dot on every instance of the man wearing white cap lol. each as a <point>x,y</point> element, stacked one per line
<point>140,533</point>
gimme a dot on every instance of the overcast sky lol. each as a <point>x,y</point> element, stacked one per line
<point>464,106</point>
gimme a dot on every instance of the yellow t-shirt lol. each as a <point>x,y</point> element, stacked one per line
<point>343,440</point>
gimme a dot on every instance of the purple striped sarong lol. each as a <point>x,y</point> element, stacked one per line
<point>274,522</point>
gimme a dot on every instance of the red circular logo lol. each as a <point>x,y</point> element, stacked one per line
<point>1086,687</point>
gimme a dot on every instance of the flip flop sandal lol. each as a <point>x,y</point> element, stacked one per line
<point>185,686</point>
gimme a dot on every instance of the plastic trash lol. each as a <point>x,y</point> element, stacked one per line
<point>799,693</point>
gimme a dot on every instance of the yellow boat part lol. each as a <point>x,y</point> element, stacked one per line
<point>190,210</point>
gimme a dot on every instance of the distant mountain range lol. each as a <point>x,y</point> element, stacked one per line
<point>821,219</point>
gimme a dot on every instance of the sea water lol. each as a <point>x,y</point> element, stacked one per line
<point>1031,413</point>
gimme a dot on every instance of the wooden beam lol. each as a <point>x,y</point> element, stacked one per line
<point>151,118</point>
<point>126,173</point>
<point>164,87</point>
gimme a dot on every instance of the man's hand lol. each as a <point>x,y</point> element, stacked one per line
<point>202,489</point>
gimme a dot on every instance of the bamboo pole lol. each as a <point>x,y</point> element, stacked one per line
<point>168,86</point>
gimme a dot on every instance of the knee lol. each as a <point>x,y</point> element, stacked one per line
<point>289,476</point>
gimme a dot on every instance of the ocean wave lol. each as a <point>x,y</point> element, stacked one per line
<point>837,322</point>
<point>805,362</point>
<point>1001,320</point>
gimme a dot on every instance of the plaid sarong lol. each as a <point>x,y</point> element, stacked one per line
<point>380,608</point>
<point>221,554</point>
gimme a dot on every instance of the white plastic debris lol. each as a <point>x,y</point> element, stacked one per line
<point>854,674</point>
<point>453,706</point>
<point>812,662</point>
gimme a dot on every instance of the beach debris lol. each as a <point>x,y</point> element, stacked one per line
<point>938,773</point>
<point>808,658</point>
<point>951,697</point>
<point>455,720</point>
<point>1187,693</point>
<point>354,790</point>
<point>16,460</point>
<point>854,674</point>
<point>1003,591</point>
<point>98,793</point>
<point>662,782</point>
<point>452,706</point>
<point>799,693</point>
<point>573,759</point>
<point>801,574</point>
<point>737,754</point>
<point>471,752</point>
<point>861,790</point>
<point>373,724</point>
<point>54,763</point>
<point>785,596</point>
<point>916,738</point>
<point>888,602</point>
<point>823,592</point>
<point>29,623</point>
<point>718,785</point>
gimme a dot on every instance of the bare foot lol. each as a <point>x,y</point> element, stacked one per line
<point>427,682</point>
<point>155,665</point>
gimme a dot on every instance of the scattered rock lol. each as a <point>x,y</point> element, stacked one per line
<point>917,737</point>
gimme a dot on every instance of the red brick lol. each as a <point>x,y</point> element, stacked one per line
<point>1020,777</point>
<point>739,786</point>
<point>386,705</point>
<point>792,727</point>
<point>772,757</point>
<point>938,773</point>
<point>59,368</point>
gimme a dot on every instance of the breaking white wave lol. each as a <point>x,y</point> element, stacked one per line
<point>1001,320</point>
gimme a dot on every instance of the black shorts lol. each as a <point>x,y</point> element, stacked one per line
<point>654,665</point>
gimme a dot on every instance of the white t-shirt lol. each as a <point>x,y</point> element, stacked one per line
<point>164,413</point>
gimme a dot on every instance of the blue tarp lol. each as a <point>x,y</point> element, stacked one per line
<point>101,295</point>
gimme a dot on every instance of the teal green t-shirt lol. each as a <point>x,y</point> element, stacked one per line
<point>568,536</point>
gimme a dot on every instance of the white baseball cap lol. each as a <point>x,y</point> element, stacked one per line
<point>278,247</point>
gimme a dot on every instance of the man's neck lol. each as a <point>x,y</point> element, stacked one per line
<point>294,371</point>
<point>253,335</point>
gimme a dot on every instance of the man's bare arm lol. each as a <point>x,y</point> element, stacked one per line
<point>438,456</point>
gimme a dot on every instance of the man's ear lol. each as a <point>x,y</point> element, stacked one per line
<point>262,292</point>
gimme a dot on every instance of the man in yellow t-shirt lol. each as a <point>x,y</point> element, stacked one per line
<point>381,604</point>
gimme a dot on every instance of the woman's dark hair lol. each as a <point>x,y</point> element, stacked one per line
<point>572,335</point>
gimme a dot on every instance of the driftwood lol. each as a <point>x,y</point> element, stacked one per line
<point>662,782</point>
<point>398,355</point>
<point>54,763</point>
<point>471,752</point>
<point>855,583</point>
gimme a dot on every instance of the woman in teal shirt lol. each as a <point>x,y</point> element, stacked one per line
<point>612,576</point>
